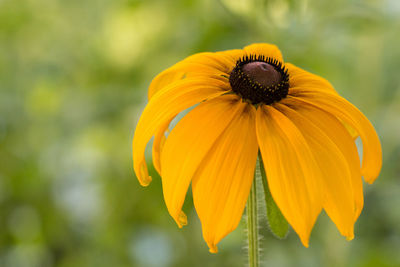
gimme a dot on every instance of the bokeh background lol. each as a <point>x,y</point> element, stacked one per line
<point>73,81</point>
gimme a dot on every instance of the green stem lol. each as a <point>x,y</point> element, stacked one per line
<point>252,222</point>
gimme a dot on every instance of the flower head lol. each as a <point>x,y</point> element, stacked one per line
<point>247,101</point>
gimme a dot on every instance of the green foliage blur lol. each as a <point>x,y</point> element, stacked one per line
<point>73,82</point>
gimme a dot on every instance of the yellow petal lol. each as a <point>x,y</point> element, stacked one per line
<point>204,64</point>
<point>165,78</point>
<point>216,65</point>
<point>335,170</point>
<point>345,111</point>
<point>268,50</point>
<point>222,183</point>
<point>162,108</point>
<point>350,129</point>
<point>292,172</point>
<point>158,144</point>
<point>338,133</point>
<point>232,56</point>
<point>188,144</point>
<point>301,78</point>
<point>209,64</point>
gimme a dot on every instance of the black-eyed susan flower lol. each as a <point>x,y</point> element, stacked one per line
<point>247,101</point>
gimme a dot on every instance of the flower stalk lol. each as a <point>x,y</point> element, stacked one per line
<point>252,222</point>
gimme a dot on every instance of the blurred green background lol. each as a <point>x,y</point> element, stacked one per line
<point>73,81</point>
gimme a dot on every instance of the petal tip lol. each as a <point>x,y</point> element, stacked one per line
<point>369,180</point>
<point>143,175</point>
<point>181,220</point>
<point>348,234</point>
<point>145,181</point>
<point>213,248</point>
<point>305,244</point>
<point>305,241</point>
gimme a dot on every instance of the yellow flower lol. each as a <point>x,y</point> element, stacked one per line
<point>245,101</point>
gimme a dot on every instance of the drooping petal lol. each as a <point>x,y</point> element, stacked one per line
<point>222,182</point>
<point>268,50</point>
<point>301,78</point>
<point>337,132</point>
<point>162,108</point>
<point>335,170</point>
<point>201,64</point>
<point>188,144</point>
<point>216,65</point>
<point>158,144</point>
<point>345,111</point>
<point>292,172</point>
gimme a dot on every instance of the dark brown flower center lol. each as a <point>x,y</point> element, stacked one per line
<point>259,80</point>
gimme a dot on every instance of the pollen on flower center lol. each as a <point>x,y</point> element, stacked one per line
<point>259,79</point>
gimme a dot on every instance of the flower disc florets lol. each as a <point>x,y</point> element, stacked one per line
<point>260,79</point>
